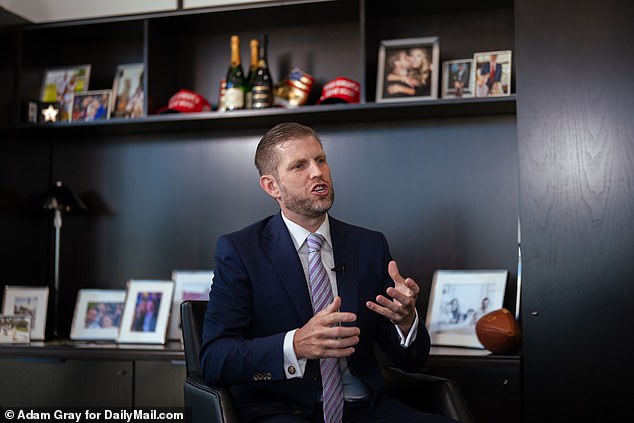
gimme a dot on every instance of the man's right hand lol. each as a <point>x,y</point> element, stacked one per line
<point>324,337</point>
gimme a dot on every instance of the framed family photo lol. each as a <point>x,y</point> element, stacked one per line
<point>90,106</point>
<point>98,314</point>
<point>59,85</point>
<point>408,70</point>
<point>28,301</point>
<point>15,329</point>
<point>492,77</point>
<point>127,88</point>
<point>188,285</point>
<point>457,78</point>
<point>458,299</point>
<point>146,312</point>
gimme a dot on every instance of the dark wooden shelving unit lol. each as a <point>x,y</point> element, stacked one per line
<point>168,185</point>
<point>311,115</point>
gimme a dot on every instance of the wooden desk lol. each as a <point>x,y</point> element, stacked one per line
<point>91,374</point>
<point>94,374</point>
<point>490,383</point>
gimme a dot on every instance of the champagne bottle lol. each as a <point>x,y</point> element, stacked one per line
<point>254,44</point>
<point>262,87</point>
<point>235,85</point>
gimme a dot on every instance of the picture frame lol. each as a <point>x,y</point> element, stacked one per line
<point>188,285</point>
<point>457,78</point>
<point>492,73</point>
<point>31,301</point>
<point>458,299</point>
<point>91,106</point>
<point>128,93</point>
<point>98,314</point>
<point>15,329</point>
<point>146,312</point>
<point>59,84</point>
<point>408,70</point>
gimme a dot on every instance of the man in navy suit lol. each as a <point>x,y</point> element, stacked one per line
<point>491,71</point>
<point>261,335</point>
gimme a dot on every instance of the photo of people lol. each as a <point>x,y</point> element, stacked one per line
<point>14,329</point>
<point>59,85</point>
<point>28,301</point>
<point>408,69</point>
<point>103,315</point>
<point>459,299</point>
<point>98,314</point>
<point>26,306</point>
<point>457,78</point>
<point>146,311</point>
<point>90,106</point>
<point>128,91</point>
<point>493,73</point>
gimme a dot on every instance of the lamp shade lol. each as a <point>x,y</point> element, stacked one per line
<point>60,197</point>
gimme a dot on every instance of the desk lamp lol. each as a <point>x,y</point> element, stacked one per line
<point>60,199</point>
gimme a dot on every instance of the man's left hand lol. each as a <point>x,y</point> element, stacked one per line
<point>401,309</point>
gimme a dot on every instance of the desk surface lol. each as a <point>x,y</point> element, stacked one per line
<point>66,349</point>
<point>173,350</point>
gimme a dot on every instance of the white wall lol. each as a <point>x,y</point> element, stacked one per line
<point>40,11</point>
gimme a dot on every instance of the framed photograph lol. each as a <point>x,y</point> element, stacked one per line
<point>128,96</point>
<point>188,285</point>
<point>146,312</point>
<point>457,78</point>
<point>492,76</point>
<point>28,301</point>
<point>458,299</point>
<point>98,314</point>
<point>15,329</point>
<point>59,85</point>
<point>408,70</point>
<point>91,105</point>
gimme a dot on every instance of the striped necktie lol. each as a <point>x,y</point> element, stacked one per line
<point>321,296</point>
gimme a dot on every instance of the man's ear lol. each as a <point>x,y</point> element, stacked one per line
<point>269,185</point>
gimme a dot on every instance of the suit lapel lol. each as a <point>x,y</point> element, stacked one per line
<point>279,247</point>
<point>345,253</point>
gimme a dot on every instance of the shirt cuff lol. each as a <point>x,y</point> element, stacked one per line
<point>293,367</point>
<point>411,336</point>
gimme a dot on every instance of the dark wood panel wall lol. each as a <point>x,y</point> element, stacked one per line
<point>443,191</point>
<point>576,149</point>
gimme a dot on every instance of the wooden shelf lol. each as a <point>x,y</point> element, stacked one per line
<point>311,115</point>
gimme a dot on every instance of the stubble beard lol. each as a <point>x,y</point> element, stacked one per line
<point>306,206</point>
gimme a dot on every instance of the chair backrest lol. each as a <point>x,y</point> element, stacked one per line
<point>192,317</point>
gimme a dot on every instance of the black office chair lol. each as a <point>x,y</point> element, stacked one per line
<point>207,404</point>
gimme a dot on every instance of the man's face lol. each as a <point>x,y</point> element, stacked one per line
<point>304,184</point>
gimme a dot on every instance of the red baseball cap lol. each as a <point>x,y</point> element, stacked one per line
<point>340,90</point>
<point>185,101</point>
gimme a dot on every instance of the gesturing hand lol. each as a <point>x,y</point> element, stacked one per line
<point>401,309</point>
<point>323,337</point>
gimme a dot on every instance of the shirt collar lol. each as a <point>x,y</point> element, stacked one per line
<point>299,234</point>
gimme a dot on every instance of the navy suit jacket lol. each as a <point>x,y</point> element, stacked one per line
<point>486,70</point>
<point>260,292</point>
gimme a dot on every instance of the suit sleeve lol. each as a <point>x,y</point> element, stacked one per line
<point>229,354</point>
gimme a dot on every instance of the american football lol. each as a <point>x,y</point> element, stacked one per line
<point>498,331</point>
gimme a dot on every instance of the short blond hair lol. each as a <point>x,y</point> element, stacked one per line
<point>266,158</point>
